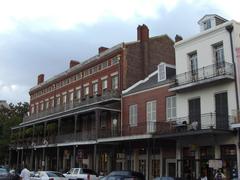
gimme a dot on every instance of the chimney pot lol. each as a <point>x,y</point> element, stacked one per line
<point>102,49</point>
<point>73,63</point>
<point>178,38</point>
<point>40,79</point>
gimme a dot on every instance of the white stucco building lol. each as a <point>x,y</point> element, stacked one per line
<point>207,91</point>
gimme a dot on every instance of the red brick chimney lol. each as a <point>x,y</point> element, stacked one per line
<point>40,78</point>
<point>102,49</point>
<point>142,33</point>
<point>178,38</point>
<point>73,63</point>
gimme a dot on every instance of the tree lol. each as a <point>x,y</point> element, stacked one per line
<point>9,118</point>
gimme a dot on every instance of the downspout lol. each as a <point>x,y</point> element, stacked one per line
<point>229,28</point>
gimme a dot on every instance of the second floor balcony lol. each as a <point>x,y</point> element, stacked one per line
<point>181,126</point>
<point>203,76</point>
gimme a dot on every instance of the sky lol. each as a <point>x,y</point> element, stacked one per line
<point>42,36</point>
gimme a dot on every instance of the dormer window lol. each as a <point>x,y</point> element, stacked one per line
<point>207,24</point>
<point>161,72</point>
<point>209,21</point>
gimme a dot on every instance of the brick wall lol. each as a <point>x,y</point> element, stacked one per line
<point>142,58</point>
<point>141,99</point>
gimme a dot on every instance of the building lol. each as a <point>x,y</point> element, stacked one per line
<point>4,104</point>
<point>147,106</point>
<point>75,115</point>
<point>207,93</point>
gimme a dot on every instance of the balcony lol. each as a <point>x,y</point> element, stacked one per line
<point>98,99</point>
<point>203,76</point>
<point>208,121</point>
<point>205,123</point>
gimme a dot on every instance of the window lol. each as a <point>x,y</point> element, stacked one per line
<point>95,88</point>
<point>37,108</point>
<point>42,106</point>
<point>32,110</point>
<point>64,99</point>
<point>151,111</point>
<point>52,102</point>
<point>46,104</point>
<point>104,65</point>
<point>115,60</point>
<point>193,62</point>
<point>171,107</point>
<point>207,24</point>
<point>86,73</point>
<point>104,85</point>
<point>78,94</point>
<point>86,91</point>
<point>71,97</point>
<point>219,54</point>
<point>58,100</point>
<point>133,115</point>
<point>161,72</point>
<point>115,82</point>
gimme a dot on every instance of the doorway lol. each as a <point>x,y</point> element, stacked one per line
<point>221,105</point>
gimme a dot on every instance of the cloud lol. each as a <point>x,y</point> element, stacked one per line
<point>70,13</point>
<point>13,92</point>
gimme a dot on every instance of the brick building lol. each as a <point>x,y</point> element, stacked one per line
<point>147,109</point>
<point>75,115</point>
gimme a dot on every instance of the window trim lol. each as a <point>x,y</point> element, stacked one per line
<point>171,109</point>
<point>133,108</point>
<point>151,111</point>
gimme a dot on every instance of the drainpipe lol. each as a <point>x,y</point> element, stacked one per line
<point>229,28</point>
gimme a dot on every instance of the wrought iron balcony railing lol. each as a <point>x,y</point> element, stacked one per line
<point>208,121</point>
<point>203,73</point>
<point>204,121</point>
<point>88,100</point>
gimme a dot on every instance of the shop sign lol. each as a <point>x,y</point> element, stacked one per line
<point>215,164</point>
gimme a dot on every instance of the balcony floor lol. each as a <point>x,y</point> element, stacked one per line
<point>202,83</point>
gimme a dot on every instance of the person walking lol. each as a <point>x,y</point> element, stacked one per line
<point>25,174</point>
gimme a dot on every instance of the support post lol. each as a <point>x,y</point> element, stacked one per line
<point>74,156</point>
<point>44,130</point>
<point>22,159</point>
<point>148,160</point>
<point>161,161</point>
<point>59,126</point>
<point>31,159</point>
<point>9,157</point>
<point>75,126</point>
<point>178,157</point>
<point>95,158</point>
<point>43,159</point>
<point>57,158</point>
<point>17,159</point>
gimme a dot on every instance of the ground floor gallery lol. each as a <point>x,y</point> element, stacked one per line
<point>182,157</point>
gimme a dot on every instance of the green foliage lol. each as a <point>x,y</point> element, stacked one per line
<point>28,132</point>
<point>9,118</point>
